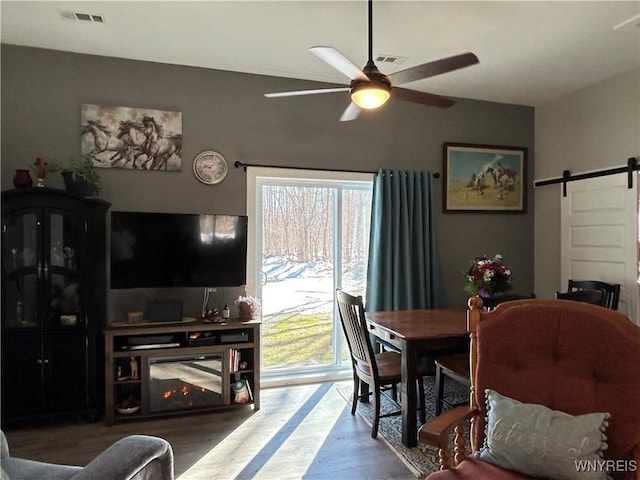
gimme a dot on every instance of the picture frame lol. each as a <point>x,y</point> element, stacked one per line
<point>484,178</point>
<point>131,138</point>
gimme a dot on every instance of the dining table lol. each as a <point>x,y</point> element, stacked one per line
<point>418,332</point>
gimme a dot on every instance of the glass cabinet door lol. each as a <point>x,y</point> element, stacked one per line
<point>42,256</point>
<point>64,240</point>
<point>22,269</point>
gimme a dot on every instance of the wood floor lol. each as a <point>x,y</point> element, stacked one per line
<point>302,431</point>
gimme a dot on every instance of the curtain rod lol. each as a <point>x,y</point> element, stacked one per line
<point>239,164</point>
<point>632,166</point>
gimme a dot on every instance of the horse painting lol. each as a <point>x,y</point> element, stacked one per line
<point>492,168</point>
<point>157,147</point>
<point>126,137</point>
<point>132,134</point>
<point>507,179</point>
<point>484,178</point>
<point>479,183</point>
<point>103,142</point>
<point>508,175</point>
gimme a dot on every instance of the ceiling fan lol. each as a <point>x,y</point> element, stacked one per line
<point>370,89</point>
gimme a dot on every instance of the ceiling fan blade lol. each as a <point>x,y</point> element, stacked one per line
<point>422,97</point>
<point>350,113</point>
<point>306,92</point>
<point>431,69</point>
<point>338,61</point>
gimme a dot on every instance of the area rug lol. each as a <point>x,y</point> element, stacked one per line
<point>421,460</point>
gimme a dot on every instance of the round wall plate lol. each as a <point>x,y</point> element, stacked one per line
<point>210,167</point>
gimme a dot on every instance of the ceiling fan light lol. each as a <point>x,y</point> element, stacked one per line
<point>370,96</point>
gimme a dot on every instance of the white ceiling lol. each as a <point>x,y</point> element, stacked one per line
<point>530,52</point>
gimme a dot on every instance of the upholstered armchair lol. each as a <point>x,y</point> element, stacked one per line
<point>555,394</point>
<point>136,457</point>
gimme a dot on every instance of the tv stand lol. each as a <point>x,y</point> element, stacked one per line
<point>161,369</point>
<point>154,324</point>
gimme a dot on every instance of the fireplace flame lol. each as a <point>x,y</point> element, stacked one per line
<point>183,396</point>
<point>184,390</point>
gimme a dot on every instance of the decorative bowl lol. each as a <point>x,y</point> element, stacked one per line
<point>127,410</point>
<point>128,406</point>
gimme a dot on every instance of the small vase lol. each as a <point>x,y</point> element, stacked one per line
<point>40,182</point>
<point>22,179</point>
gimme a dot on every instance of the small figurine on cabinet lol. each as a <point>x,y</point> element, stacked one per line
<point>69,261</point>
<point>134,367</point>
<point>241,392</point>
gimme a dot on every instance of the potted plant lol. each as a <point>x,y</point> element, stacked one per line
<point>81,177</point>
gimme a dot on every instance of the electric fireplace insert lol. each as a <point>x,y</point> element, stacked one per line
<point>185,382</point>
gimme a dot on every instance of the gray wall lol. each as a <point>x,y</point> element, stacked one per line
<point>42,92</point>
<point>595,128</point>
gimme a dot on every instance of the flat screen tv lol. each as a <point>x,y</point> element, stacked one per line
<point>155,250</point>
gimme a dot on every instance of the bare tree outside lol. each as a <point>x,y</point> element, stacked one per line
<point>299,230</point>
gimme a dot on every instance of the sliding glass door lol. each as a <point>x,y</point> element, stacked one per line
<point>309,235</point>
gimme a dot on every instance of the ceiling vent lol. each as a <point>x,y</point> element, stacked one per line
<point>83,17</point>
<point>396,59</point>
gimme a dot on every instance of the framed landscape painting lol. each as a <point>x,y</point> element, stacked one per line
<point>484,178</point>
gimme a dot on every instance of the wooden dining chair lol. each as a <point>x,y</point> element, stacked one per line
<point>374,369</point>
<point>611,296</point>
<point>594,297</point>
<point>456,367</point>
<point>453,367</point>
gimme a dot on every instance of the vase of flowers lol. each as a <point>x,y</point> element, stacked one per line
<point>248,307</point>
<point>41,167</point>
<point>488,276</point>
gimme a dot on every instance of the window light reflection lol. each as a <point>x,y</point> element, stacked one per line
<point>217,227</point>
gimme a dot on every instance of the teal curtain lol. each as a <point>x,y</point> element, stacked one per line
<point>403,270</point>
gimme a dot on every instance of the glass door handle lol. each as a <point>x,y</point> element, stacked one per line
<point>43,267</point>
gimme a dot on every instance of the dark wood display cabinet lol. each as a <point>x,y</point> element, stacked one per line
<point>53,303</point>
<point>160,369</point>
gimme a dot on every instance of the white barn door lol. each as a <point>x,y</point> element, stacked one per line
<point>599,234</point>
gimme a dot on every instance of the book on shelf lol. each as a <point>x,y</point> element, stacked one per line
<point>234,360</point>
<point>246,381</point>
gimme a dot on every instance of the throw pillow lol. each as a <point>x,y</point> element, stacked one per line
<point>535,440</point>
